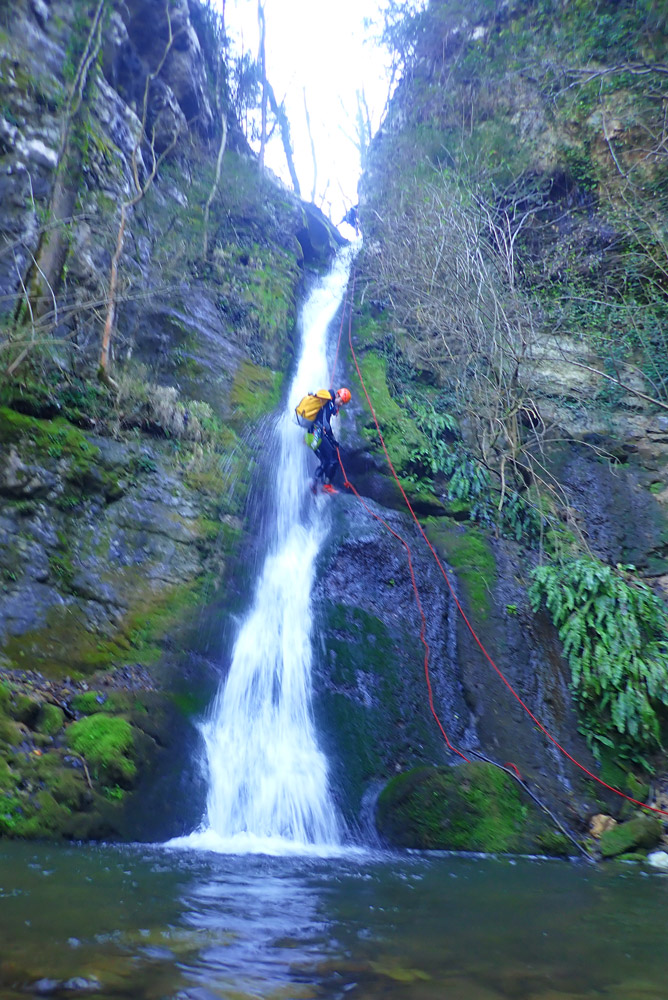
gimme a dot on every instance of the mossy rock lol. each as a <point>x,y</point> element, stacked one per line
<point>107,744</point>
<point>637,788</point>
<point>255,392</point>
<point>400,433</point>
<point>66,646</point>
<point>25,709</point>
<point>50,720</point>
<point>6,777</point>
<point>643,831</point>
<point>469,553</point>
<point>69,788</point>
<point>56,438</point>
<point>10,732</point>
<point>90,702</point>
<point>472,807</point>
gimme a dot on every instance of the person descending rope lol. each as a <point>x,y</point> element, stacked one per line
<point>314,412</point>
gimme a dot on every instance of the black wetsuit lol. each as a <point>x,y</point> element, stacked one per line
<point>329,460</point>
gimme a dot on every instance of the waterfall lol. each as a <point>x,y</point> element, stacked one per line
<point>268,785</point>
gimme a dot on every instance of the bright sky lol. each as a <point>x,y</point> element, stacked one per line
<point>325,50</point>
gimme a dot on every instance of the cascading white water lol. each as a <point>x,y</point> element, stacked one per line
<point>268,780</point>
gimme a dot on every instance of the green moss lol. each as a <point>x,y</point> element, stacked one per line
<point>112,702</point>
<point>23,708</point>
<point>10,733</point>
<point>369,330</point>
<point>190,702</point>
<point>473,807</point>
<point>554,844</point>
<point>48,819</point>
<point>61,441</point>
<point>56,438</point>
<point>7,780</point>
<point>255,391</point>
<point>11,814</point>
<point>611,770</point>
<point>637,789</point>
<point>5,695</point>
<point>67,647</point>
<point>357,728</point>
<point>470,555</point>
<point>399,432</point>
<point>372,711</point>
<point>43,796</point>
<point>107,743</point>
<point>113,793</point>
<point>69,788</point>
<point>644,831</point>
<point>267,285</point>
<point>51,719</point>
<point>89,702</point>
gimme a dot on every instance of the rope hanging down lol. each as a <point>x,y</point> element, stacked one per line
<point>431,548</point>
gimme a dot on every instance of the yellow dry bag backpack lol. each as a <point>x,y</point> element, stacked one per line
<point>308,408</point>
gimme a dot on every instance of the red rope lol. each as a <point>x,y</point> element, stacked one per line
<point>479,643</point>
<point>423,626</point>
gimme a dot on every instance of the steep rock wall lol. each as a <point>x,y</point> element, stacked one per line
<point>122,503</point>
<point>513,268</point>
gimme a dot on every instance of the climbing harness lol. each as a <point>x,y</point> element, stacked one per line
<point>509,768</point>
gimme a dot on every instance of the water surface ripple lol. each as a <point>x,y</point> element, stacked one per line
<point>147,924</point>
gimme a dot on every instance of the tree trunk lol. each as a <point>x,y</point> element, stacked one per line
<point>310,135</point>
<point>263,73</point>
<point>284,126</point>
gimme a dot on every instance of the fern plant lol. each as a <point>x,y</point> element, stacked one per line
<point>614,631</point>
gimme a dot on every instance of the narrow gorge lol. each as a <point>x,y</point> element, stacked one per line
<point>502,325</point>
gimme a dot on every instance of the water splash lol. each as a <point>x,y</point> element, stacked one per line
<point>268,788</point>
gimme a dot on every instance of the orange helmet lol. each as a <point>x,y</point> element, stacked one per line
<point>344,395</point>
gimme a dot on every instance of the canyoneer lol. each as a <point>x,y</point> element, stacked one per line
<point>314,412</point>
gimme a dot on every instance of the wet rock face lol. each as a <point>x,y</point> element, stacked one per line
<point>118,521</point>
<point>623,521</point>
<point>372,700</point>
<point>184,71</point>
<point>371,692</point>
<point>70,582</point>
<point>599,394</point>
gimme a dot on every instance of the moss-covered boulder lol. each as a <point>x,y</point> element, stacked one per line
<point>641,832</point>
<point>472,807</point>
<point>107,743</point>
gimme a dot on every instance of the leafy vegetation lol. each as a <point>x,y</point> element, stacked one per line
<point>615,635</point>
<point>468,480</point>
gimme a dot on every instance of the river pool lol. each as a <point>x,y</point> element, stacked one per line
<point>152,922</point>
